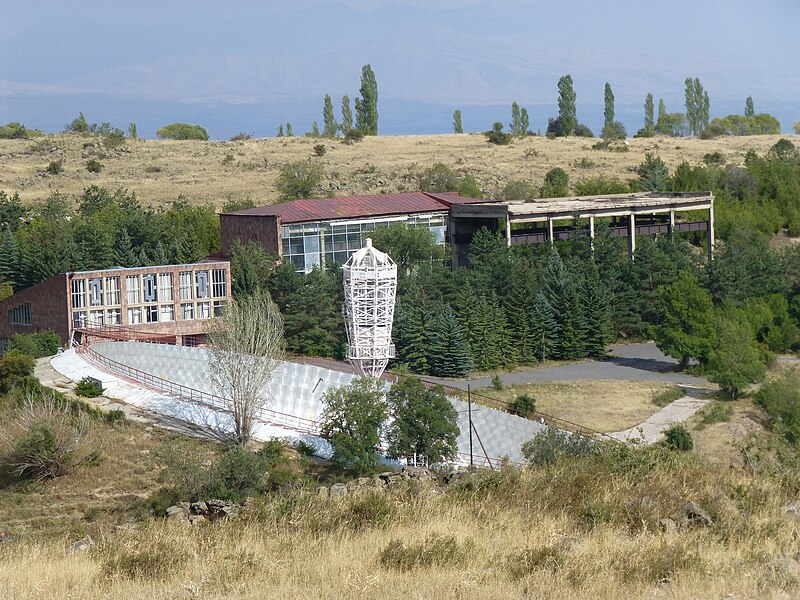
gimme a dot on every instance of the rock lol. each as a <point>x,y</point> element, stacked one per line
<point>178,513</point>
<point>668,526</point>
<point>221,509</point>
<point>82,545</point>
<point>792,509</point>
<point>199,508</point>
<point>788,566</point>
<point>338,490</point>
<point>362,481</point>
<point>197,519</point>
<point>416,473</point>
<point>691,515</point>
<point>378,481</point>
<point>322,491</point>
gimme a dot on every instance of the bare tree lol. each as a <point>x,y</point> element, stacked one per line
<point>246,346</point>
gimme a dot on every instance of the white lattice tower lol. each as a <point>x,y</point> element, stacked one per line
<point>370,284</point>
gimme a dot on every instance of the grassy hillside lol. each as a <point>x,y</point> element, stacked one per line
<point>203,172</point>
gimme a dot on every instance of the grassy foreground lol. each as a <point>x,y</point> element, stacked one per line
<point>580,528</point>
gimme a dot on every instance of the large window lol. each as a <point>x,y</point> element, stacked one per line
<point>165,287</point>
<point>150,288</point>
<point>167,312</point>
<point>112,291</point>
<point>114,316</point>
<point>186,285</point>
<point>203,310</point>
<point>134,315</point>
<point>202,284</point>
<point>20,315</point>
<point>78,293</point>
<point>219,288</point>
<point>187,311</point>
<point>96,292</point>
<point>132,288</point>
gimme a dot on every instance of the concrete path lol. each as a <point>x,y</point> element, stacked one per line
<point>626,362</point>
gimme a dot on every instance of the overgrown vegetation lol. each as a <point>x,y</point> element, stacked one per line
<point>182,131</point>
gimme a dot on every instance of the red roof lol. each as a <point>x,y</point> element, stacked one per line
<point>355,207</point>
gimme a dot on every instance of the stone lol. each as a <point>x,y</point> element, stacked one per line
<point>668,526</point>
<point>322,491</point>
<point>362,481</point>
<point>197,519</point>
<point>792,509</point>
<point>199,508</point>
<point>691,515</point>
<point>177,513</point>
<point>416,473</point>
<point>338,490</point>
<point>378,481</point>
<point>788,566</point>
<point>82,545</point>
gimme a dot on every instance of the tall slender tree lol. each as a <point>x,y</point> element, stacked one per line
<point>543,329</point>
<point>649,125</point>
<point>457,127</point>
<point>567,112</point>
<point>448,354</point>
<point>749,109</point>
<point>331,127</point>
<point>662,116</point>
<point>516,120</point>
<point>608,111</point>
<point>367,104</point>
<point>697,106</point>
<point>347,115</point>
<point>595,303</point>
<point>524,121</point>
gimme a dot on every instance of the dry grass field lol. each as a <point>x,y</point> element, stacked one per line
<point>211,172</point>
<point>602,405</point>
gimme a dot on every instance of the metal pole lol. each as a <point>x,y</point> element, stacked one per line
<point>469,412</point>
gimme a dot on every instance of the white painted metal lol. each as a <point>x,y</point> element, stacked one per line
<point>370,285</point>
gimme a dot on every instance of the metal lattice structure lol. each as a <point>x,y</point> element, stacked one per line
<point>370,285</point>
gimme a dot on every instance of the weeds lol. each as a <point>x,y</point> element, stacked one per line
<point>668,396</point>
<point>440,551</point>
<point>716,412</point>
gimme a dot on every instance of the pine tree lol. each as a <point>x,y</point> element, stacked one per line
<point>367,104</point>
<point>561,296</point>
<point>654,175</point>
<point>608,111</point>
<point>124,255</point>
<point>649,125</point>
<point>457,127</point>
<point>449,354</point>
<point>411,330</point>
<point>9,258</point>
<point>543,328</point>
<point>596,309</point>
<point>749,109</point>
<point>143,259</point>
<point>347,115</point>
<point>566,105</point>
<point>519,305</point>
<point>160,255</point>
<point>329,119</point>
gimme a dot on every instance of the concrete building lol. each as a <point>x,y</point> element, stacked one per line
<point>324,231</point>
<point>171,302</point>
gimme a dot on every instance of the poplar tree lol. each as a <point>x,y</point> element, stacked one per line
<point>331,127</point>
<point>649,125</point>
<point>289,130</point>
<point>608,111</point>
<point>697,106</point>
<point>516,120</point>
<point>524,121</point>
<point>315,130</point>
<point>566,105</point>
<point>457,127</point>
<point>662,115</point>
<point>280,130</point>
<point>367,104</point>
<point>347,115</point>
<point>749,109</point>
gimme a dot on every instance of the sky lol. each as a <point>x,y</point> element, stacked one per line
<point>249,65</point>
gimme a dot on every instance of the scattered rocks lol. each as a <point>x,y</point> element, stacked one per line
<point>338,490</point>
<point>380,481</point>
<point>82,545</point>
<point>691,515</point>
<point>196,513</point>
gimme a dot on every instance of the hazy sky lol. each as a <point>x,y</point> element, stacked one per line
<point>151,60</point>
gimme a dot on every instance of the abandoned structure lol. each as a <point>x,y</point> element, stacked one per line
<point>320,232</point>
<point>370,286</point>
<point>169,302</point>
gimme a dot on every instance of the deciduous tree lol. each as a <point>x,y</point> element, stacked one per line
<point>566,105</point>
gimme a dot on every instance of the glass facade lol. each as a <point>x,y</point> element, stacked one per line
<point>323,243</point>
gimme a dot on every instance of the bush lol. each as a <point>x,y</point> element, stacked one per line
<point>797,128</point>
<point>524,406</point>
<point>88,387</point>
<point>584,163</point>
<point>17,131</point>
<point>517,191</point>
<point>319,149</point>
<point>668,396</point>
<point>677,437</point>
<point>182,131</point>
<point>241,137</point>
<point>780,398</point>
<point>595,186</point>
<point>497,383</point>
<point>582,130</point>
<point>38,345</point>
<point>716,412</point>
<point>551,444</point>
<point>441,178</point>
<point>761,124</point>
<point>14,365</point>
<point>93,165</point>
<point>614,131</point>
<point>497,136</point>
<point>352,136</point>
<point>55,167</point>
<point>300,179</point>
<point>43,440</point>
<point>556,184</point>
<point>436,550</point>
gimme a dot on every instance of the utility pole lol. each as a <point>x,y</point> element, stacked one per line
<point>469,412</point>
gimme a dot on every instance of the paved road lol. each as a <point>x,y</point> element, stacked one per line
<point>626,362</point>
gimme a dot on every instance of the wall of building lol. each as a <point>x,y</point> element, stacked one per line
<point>263,230</point>
<point>49,309</point>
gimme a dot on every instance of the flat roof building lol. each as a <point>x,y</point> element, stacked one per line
<point>170,300</point>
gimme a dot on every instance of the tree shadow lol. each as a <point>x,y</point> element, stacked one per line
<point>652,365</point>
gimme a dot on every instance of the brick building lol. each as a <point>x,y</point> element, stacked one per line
<point>172,300</point>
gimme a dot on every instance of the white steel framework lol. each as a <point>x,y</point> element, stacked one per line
<point>370,285</point>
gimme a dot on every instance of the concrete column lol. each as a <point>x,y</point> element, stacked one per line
<point>508,232</point>
<point>591,232</point>
<point>632,235</point>
<point>711,232</point>
<point>671,223</point>
<point>550,230</point>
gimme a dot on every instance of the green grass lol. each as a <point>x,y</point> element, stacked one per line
<point>717,411</point>
<point>668,396</point>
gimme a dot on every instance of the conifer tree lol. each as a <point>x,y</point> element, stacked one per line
<point>331,127</point>
<point>608,111</point>
<point>566,105</point>
<point>560,293</point>
<point>367,104</point>
<point>124,255</point>
<point>280,130</point>
<point>749,109</point>
<point>160,255</point>
<point>649,125</point>
<point>411,330</point>
<point>519,305</point>
<point>596,310</point>
<point>347,115</point>
<point>289,130</point>
<point>543,328</point>
<point>9,258</point>
<point>143,259</point>
<point>449,354</point>
<point>457,127</point>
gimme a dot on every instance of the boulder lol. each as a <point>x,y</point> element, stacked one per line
<point>178,513</point>
<point>197,519</point>
<point>691,515</point>
<point>199,508</point>
<point>416,473</point>
<point>82,545</point>
<point>338,490</point>
<point>322,491</point>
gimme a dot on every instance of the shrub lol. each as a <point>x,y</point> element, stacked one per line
<point>497,382</point>
<point>594,186</point>
<point>780,398</point>
<point>435,550</point>
<point>300,179</point>
<point>716,412</point>
<point>677,437</point>
<point>614,131</point>
<point>43,439</point>
<point>88,387</point>
<point>517,191</point>
<point>797,128</point>
<point>319,149</point>
<point>556,184</point>
<point>524,406</point>
<point>93,165</point>
<point>441,178</point>
<point>497,136</point>
<point>584,163</point>
<point>182,131</point>
<point>582,130</point>
<point>551,444</point>
<point>352,136</point>
<point>37,345</point>
<point>668,396</point>
<point>55,167</point>
<point>14,365</point>
<point>17,131</point>
<point>713,158</point>
<point>241,137</point>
